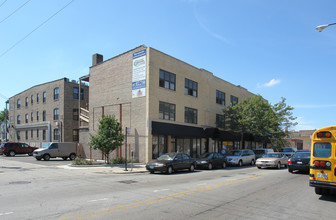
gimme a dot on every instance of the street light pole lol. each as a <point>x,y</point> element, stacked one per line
<point>320,28</point>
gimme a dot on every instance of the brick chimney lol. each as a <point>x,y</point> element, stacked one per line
<point>97,59</point>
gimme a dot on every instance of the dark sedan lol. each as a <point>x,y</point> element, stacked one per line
<point>211,160</point>
<point>299,161</point>
<point>170,162</point>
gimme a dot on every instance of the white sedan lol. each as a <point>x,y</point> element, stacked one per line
<point>276,160</point>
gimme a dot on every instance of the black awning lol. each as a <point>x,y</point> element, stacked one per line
<point>160,128</point>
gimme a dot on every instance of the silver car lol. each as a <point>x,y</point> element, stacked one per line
<point>240,157</point>
<point>276,160</point>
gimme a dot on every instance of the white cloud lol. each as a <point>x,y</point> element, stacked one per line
<point>271,83</point>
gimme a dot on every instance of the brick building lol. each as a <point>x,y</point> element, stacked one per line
<point>47,112</point>
<point>167,104</point>
<point>301,139</point>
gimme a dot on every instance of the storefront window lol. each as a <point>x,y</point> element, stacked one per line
<point>159,145</point>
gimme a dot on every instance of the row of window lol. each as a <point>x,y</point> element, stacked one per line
<point>168,80</point>
<point>44,97</point>
<point>167,111</point>
<point>56,135</point>
<point>55,116</point>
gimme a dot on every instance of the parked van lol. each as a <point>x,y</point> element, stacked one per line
<point>56,149</point>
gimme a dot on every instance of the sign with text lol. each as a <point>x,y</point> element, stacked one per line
<point>139,74</point>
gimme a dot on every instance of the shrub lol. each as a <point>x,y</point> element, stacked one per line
<point>122,160</point>
<point>79,161</point>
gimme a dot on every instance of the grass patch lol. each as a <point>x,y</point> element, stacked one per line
<point>79,161</point>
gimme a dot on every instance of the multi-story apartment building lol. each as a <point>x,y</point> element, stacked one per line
<point>47,112</point>
<point>166,104</point>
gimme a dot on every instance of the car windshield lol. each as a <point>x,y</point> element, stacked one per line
<point>272,156</point>
<point>235,153</point>
<point>46,145</point>
<point>167,157</point>
<point>205,155</point>
<point>302,155</point>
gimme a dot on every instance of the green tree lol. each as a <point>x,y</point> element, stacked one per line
<point>3,115</point>
<point>108,137</point>
<point>257,117</point>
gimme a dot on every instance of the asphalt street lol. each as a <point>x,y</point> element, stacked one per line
<point>31,190</point>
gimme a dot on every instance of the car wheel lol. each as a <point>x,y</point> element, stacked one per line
<point>64,158</point>
<point>210,166</point>
<point>169,170</point>
<point>38,158</point>
<point>252,162</point>
<point>290,170</point>
<point>12,153</point>
<point>279,165</point>
<point>46,157</point>
<point>72,156</point>
<point>192,168</point>
<point>224,165</point>
<point>30,154</point>
<point>318,190</point>
<point>151,171</point>
<point>240,163</point>
<point>259,167</point>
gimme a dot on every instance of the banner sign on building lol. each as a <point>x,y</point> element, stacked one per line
<point>139,74</point>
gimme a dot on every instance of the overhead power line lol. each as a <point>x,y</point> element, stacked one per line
<point>13,11</point>
<point>3,3</point>
<point>35,29</point>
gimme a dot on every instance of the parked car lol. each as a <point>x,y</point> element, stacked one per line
<point>57,149</point>
<point>299,161</point>
<point>170,162</point>
<point>13,148</point>
<point>289,151</point>
<point>210,160</point>
<point>276,160</point>
<point>259,152</point>
<point>240,157</point>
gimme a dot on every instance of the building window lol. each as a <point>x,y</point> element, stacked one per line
<point>190,115</point>
<point>167,111</point>
<point>37,116</point>
<point>31,134</point>
<point>56,113</point>
<point>75,92</point>
<point>31,117</point>
<point>18,104</point>
<point>44,97</point>
<point>56,93</point>
<point>220,98</point>
<point>11,106</point>
<point>75,135</point>
<point>18,119</point>
<point>37,98</point>
<point>56,134</point>
<point>220,121</point>
<point>31,99</point>
<point>167,80</point>
<point>75,114</point>
<point>234,100</point>
<point>82,94</point>
<point>37,134</point>
<point>190,87</point>
<point>44,115</point>
<point>26,134</point>
<point>26,118</point>
<point>26,103</point>
<point>18,135</point>
<point>44,135</point>
<point>11,119</point>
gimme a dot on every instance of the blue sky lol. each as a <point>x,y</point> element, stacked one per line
<point>269,47</point>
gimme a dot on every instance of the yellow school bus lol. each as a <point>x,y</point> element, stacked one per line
<point>323,160</point>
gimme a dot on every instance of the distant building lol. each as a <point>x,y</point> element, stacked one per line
<point>47,112</point>
<point>301,139</point>
<point>166,104</point>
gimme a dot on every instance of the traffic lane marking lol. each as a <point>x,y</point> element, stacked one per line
<point>97,200</point>
<point>159,199</point>
<point>6,213</point>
